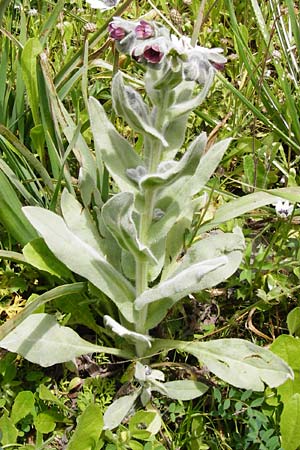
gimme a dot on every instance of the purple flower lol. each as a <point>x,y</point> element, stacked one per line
<point>153,54</point>
<point>218,66</point>
<point>116,32</point>
<point>144,30</point>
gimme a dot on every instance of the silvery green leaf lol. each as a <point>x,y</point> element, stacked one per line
<point>185,389</point>
<point>170,171</point>
<point>127,334</point>
<point>119,409</point>
<point>208,164</point>
<point>230,244</point>
<point>179,285</point>
<point>79,221</point>
<point>186,107</point>
<point>173,198</point>
<point>82,259</point>
<point>129,104</point>
<point>241,363</point>
<point>41,340</point>
<point>116,152</point>
<point>117,215</point>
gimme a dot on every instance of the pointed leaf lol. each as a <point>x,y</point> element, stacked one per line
<point>58,292</point>
<point>168,292</point>
<point>183,108</point>
<point>129,104</point>
<point>116,152</point>
<point>117,216</point>
<point>81,258</point>
<point>127,334</point>
<point>170,171</point>
<point>119,409</point>
<point>41,340</point>
<point>79,221</point>
<point>38,255</point>
<point>173,199</point>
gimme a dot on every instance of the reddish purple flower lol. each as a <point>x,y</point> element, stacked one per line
<point>116,32</point>
<point>144,30</point>
<point>218,66</point>
<point>153,54</point>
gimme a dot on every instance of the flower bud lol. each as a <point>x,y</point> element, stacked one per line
<point>144,30</point>
<point>116,32</point>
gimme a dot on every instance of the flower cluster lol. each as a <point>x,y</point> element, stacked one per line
<point>152,44</point>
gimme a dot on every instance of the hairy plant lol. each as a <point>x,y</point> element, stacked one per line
<point>132,248</point>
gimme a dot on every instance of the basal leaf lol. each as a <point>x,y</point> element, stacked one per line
<point>241,363</point>
<point>81,258</point>
<point>41,340</point>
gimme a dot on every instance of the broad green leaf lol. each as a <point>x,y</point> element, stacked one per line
<point>288,348</point>
<point>119,409</point>
<point>30,52</point>
<point>129,104</point>
<point>242,205</point>
<point>293,321</point>
<point>117,215</point>
<point>58,292</point>
<point>290,423</point>
<point>241,363</point>
<point>38,255</point>
<point>9,432</point>
<point>88,430</point>
<point>23,405</point>
<point>236,361</point>
<point>179,285</point>
<point>41,340</point>
<point>82,259</point>
<point>79,221</point>
<point>185,389</point>
<point>45,422</point>
<point>116,152</point>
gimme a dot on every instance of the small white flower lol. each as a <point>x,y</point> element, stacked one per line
<point>32,12</point>
<point>103,5</point>
<point>283,209</point>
